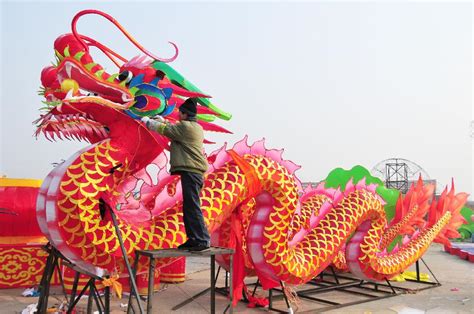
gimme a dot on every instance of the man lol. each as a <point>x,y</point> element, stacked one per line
<point>188,161</point>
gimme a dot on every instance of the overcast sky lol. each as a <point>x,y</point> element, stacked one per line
<point>334,84</point>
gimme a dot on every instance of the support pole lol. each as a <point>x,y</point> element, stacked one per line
<point>107,300</point>
<point>432,274</point>
<point>213,284</point>
<point>151,284</point>
<point>290,310</point>
<point>133,283</point>
<point>51,263</point>
<point>74,289</point>
<point>91,296</point>
<point>417,265</point>
<point>130,307</point>
<point>231,284</point>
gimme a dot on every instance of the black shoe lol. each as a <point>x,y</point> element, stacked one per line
<point>199,248</point>
<point>186,245</point>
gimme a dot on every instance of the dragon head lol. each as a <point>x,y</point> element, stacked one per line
<point>85,102</point>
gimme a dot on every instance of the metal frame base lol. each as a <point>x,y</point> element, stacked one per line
<point>329,280</point>
<point>153,255</point>
<point>52,265</point>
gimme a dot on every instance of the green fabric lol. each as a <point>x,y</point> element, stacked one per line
<point>467,230</point>
<point>186,149</point>
<point>339,177</point>
<point>178,79</point>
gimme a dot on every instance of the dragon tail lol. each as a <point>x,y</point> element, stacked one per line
<point>450,202</point>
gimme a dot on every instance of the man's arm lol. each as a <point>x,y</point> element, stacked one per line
<point>173,132</point>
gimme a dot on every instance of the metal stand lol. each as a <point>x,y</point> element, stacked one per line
<point>221,290</point>
<point>52,264</point>
<point>167,253</point>
<point>133,284</point>
<point>270,299</point>
<point>329,280</point>
<point>93,296</point>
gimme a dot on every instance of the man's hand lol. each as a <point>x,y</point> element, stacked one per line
<point>159,118</point>
<point>153,123</point>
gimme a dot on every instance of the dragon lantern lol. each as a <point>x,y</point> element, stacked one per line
<point>251,199</point>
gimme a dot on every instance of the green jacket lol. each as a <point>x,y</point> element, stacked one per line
<point>186,149</point>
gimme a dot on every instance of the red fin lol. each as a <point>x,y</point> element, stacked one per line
<point>416,204</point>
<point>448,202</point>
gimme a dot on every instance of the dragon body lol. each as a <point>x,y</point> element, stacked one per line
<point>251,199</point>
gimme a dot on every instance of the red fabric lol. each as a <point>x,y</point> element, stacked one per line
<point>239,269</point>
<point>255,301</point>
<point>254,187</point>
<point>239,264</point>
<point>253,183</point>
<point>20,205</point>
<point>266,282</point>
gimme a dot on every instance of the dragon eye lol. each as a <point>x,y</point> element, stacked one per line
<point>125,76</point>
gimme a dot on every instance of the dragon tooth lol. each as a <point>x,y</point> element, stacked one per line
<point>75,129</point>
<point>103,132</point>
<point>69,95</point>
<point>87,129</point>
<point>98,131</point>
<point>91,130</point>
<point>81,128</point>
<point>68,69</point>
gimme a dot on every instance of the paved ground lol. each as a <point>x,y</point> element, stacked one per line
<point>456,295</point>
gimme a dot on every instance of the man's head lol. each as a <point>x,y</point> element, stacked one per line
<point>188,109</point>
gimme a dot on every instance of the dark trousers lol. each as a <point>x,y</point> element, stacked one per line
<point>196,230</point>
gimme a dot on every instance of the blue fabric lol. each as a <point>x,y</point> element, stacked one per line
<point>131,114</point>
<point>168,110</point>
<point>137,80</point>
